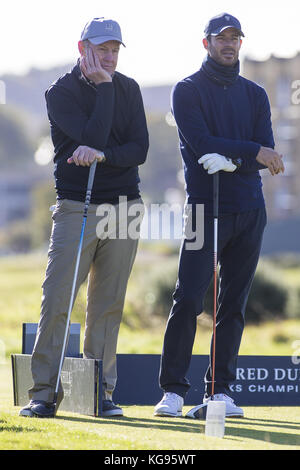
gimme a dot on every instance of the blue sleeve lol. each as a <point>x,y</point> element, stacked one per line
<point>263,133</point>
<point>65,110</point>
<point>194,131</point>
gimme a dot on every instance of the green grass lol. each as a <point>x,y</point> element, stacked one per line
<point>263,428</point>
<point>21,279</point>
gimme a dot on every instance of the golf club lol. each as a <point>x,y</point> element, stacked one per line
<point>216,410</point>
<point>85,211</point>
<point>216,221</point>
<point>200,411</point>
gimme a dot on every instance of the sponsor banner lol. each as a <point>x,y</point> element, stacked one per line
<point>261,380</point>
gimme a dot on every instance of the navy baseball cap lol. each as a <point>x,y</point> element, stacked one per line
<point>218,23</point>
<point>100,30</point>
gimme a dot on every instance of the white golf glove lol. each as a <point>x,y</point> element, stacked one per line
<point>214,162</point>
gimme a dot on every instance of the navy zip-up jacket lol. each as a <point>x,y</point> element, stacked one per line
<point>232,120</point>
<point>109,117</point>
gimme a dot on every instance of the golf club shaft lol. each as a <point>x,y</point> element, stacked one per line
<point>85,211</point>
<point>216,219</point>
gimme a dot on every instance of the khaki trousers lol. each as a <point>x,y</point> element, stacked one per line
<point>107,258</point>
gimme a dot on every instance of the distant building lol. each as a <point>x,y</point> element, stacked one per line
<point>281,79</point>
<point>15,197</point>
<point>16,192</point>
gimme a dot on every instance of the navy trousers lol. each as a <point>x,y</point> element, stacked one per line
<point>239,243</point>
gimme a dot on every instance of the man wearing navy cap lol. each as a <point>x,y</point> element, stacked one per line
<point>95,112</point>
<point>224,125</point>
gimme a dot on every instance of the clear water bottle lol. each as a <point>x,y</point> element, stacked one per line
<point>215,418</point>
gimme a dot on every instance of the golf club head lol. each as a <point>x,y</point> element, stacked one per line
<point>198,412</point>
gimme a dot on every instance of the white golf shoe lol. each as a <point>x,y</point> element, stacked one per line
<point>170,405</point>
<point>232,410</point>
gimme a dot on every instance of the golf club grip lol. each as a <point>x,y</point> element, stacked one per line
<point>216,194</point>
<point>89,187</point>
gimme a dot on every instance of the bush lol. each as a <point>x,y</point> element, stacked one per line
<point>293,305</point>
<point>268,299</point>
<point>149,295</point>
<point>269,296</point>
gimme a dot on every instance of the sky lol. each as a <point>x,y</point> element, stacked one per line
<point>163,37</point>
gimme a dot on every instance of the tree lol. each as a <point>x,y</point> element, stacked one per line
<point>16,147</point>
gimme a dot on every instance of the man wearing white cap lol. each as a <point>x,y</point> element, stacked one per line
<point>94,113</point>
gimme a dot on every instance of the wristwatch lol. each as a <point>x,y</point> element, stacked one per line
<point>100,157</point>
<point>237,162</point>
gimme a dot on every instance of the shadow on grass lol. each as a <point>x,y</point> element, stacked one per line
<point>246,431</point>
<point>272,437</point>
<point>267,423</point>
<point>173,424</point>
